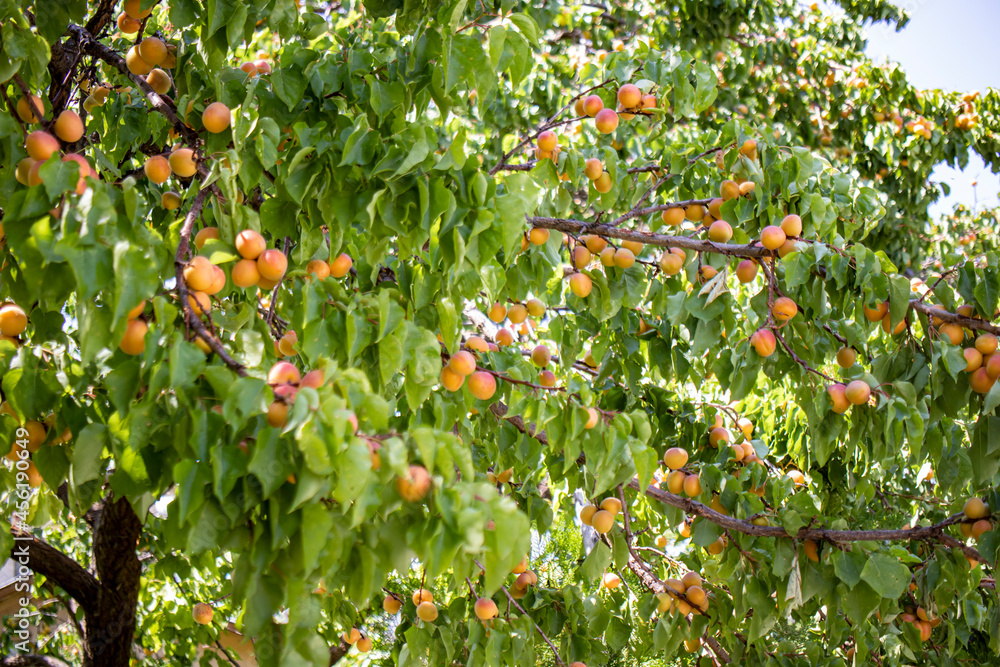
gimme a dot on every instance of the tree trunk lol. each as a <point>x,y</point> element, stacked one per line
<point>110,624</point>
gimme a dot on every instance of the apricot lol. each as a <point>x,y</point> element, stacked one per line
<point>517,313</point>
<point>898,328</point>
<point>245,273</point>
<point>414,486</point>
<point>201,612</point>
<point>391,605</point>
<point>952,332</point>
<point>671,263</point>
<point>981,381</point>
<point>182,162</point>
<point>611,504</point>
<point>272,264</point>
<point>134,9</point>
<point>729,190</point>
<point>746,271</point>
<point>857,392</point>
<point>13,320</point>
<point>587,514</point>
<point>973,359</point>
<point>477,344</point>
<point>978,528</point>
<point>25,110</point>
<point>606,121</point>
<point>692,485</point>
<point>218,281</point>
<point>216,117</point>
<point>986,343</point>
<point>580,284</point>
<point>784,309</point>
<point>482,385</point>
<point>41,145</point>
<point>505,338</point>
<point>877,313</point>
<point>157,169</point>
<point>672,217</point>
<point>69,127</point>
<point>199,302</point>
<point>364,644</point>
<point>993,366</point>
<point>603,183</point>
<point>547,141</point>
<point>675,482</point>
<point>136,64</point>
<point>198,273</point>
<point>170,200</point>
<point>421,595</point>
<point>341,266</point>
<point>134,340</point>
<point>204,235</point>
<point>591,106</point>
<point>603,521</point>
<point>720,231</point>
<point>535,308</point>
<point>578,108</point>
<point>811,550</point>
<point>546,378</point>
<point>718,435</point>
<point>485,609</point>
<point>772,237</point>
<point>538,236</point>
<point>624,258</point>
<point>462,363</point>
<point>629,96</point>
<point>127,24</point>
<point>540,356</point>
<point>250,244</point>
<point>715,208</point>
<point>764,342</point>
<point>634,246</point>
<point>675,458</point>
<point>137,311</point>
<point>846,357</point>
<point>593,168</point>
<point>975,508</point>
<point>791,224</point>
<point>749,149</point>
<point>23,169</point>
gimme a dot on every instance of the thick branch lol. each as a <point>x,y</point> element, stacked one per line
<point>32,660</point>
<point>44,559</point>
<point>339,651</point>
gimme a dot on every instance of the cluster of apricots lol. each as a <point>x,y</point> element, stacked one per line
<point>42,145</point>
<point>977,514</point>
<point>685,596</point>
<point>354,637</point>
<point>601,518</point>
<point>286,380</point>
<point>28,439</point>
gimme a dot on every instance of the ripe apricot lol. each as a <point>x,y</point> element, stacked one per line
<point>26,108</point>
<point>505,338</point>
<point>250,244</point>
<point>877,313</point>
<point>341,266</point>
<point>975,508</point>
<point>675,458</point>
<point>547,141</point>
<point>746,270</point>
<point>593,168</point>
<point>624,258</point>
<point>540,356</point>
<point>692,485</point>
<point>272,264</point>
<point>198,273</point>
<point>134,340</point>
<point>538,236</point>
<point>629,96</point>
<point>591,106</point>
<point>68,126</point>
<point>981,381</point>
<point>245,273</point>
<point>216,117</point>
<point>482,385</point>
<point>606,121</point>
<point>986,343</point>
<point>857,392</point>
<point>127,24</point>
<point>675,482</point>
<point>485,609</point>
<point>673,217</point>
<point>899,328</point>
<point>811,550</point>
<point>952,332</point>
<point>603,521</point>
<point>415,485</point>
<point>973,359</point>
<point>451,380</point>
<point>182,162</point>
<point>13,320</point>
<point>720,231</point>
<point>791,224</point>
<point>772,237</point>
<point>587,514</point>
<point>157,169</point>
<point>764,342</point>
<point>463,363</point>
<point>846,357</point>
<point>421,595</point>
<point>41,145</point>
<point>134,9</point>
<point>391,605</point>
<point>729,190</point>
<point>603,183</point>
<point>136,63</point>
<point>784,309</point>
<point>671,263</point>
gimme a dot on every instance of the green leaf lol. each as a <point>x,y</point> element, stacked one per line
<point>886,575</point>
<point>595,563</point>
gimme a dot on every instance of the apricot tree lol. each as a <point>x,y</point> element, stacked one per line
<point>442,332</point>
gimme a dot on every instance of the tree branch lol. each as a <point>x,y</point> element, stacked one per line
<point>45,559</point>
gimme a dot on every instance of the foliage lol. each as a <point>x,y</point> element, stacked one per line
<point>408,137</point>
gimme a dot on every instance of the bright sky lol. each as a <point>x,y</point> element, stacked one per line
<point>952,45</point>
